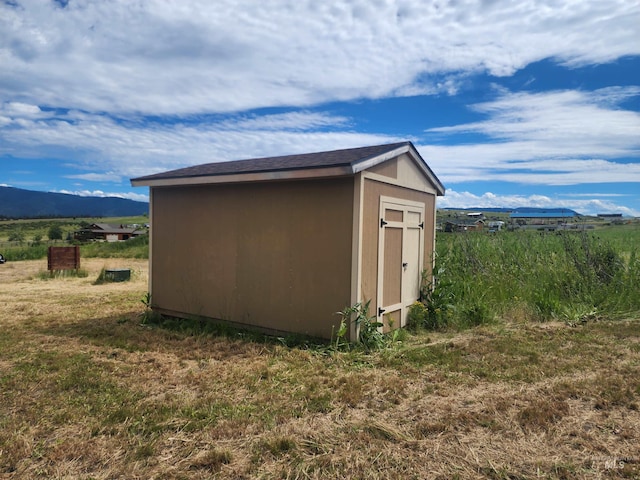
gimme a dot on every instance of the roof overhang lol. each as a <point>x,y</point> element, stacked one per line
<point>265,176</point>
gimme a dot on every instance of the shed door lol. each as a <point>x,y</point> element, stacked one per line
<point>400,262</point>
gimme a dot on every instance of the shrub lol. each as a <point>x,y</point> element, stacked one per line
<point>55,232</point>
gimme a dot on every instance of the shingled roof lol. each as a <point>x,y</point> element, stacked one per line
<point>331,163</point>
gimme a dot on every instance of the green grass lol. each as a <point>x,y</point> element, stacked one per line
<point>570,276</point>
<point>54,274</point>
<point>137,247</point>
<point>14,252</point>
<point>33,227</point>
<point>35,243</point>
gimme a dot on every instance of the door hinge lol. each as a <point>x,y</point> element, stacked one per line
<point>382,222</point>
<point>421,225</point>
<point>381,311</point>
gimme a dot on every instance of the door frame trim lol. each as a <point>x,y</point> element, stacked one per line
<point>405,206</point>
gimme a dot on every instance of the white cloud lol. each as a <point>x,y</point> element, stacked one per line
<point>584,206</point>
<point>554,138</point>
<point>230,55</point>
<point>596,194</point>
<point>297,121</point>
<point>98,177</point>
<point>575,120</point>
<point>110,150</point>
<point>138,197</point>
<point>22,109</point>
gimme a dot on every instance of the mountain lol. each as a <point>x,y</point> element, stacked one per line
<point>19,203</point>
<point>517,209</point>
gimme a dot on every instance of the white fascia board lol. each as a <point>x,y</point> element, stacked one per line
<point>378,159</point>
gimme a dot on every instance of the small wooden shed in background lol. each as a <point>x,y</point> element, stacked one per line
<point>282,243</point>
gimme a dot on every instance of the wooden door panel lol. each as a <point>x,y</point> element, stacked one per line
<point>392,267</point>
<point>400,259</point>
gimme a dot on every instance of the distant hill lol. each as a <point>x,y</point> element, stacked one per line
<point>19,203</point>
<point>518,209</point>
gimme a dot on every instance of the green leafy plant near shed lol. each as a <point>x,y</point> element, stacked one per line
<point>149,315</point>
<point>368,326</point>
<point>434,309</point>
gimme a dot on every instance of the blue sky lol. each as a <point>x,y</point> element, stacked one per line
<point>520,103</point>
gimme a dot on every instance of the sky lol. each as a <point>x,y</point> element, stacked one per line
<point>521,103</point>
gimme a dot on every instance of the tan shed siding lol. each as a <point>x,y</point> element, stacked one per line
<point>274,255</point>
<point>388,169</point>
<point>410,176</point>
<point>371,225</point>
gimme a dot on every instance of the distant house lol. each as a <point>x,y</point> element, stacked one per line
<point>569,226</point>
<point>614,218</point>
<point>495,225</point>
<point>463,225</point>
<point>107,232</point>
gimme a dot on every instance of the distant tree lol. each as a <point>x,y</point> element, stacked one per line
<point>55,232</point>
<point>37,238</point>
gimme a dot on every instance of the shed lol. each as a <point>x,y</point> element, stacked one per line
<point>281,244</point>
<point>495,225</point>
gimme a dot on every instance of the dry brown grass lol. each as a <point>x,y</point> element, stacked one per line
<point>86,391</point>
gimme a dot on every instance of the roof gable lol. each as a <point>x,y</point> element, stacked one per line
<point>110,228</point>
<point>309,165</point>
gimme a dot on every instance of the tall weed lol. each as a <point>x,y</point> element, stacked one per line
<point>566,275</point>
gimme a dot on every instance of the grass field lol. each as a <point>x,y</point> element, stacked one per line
<point>88,391</point>
<point>28,239</point>
<point>29,228</point>
<point>528,275</point>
